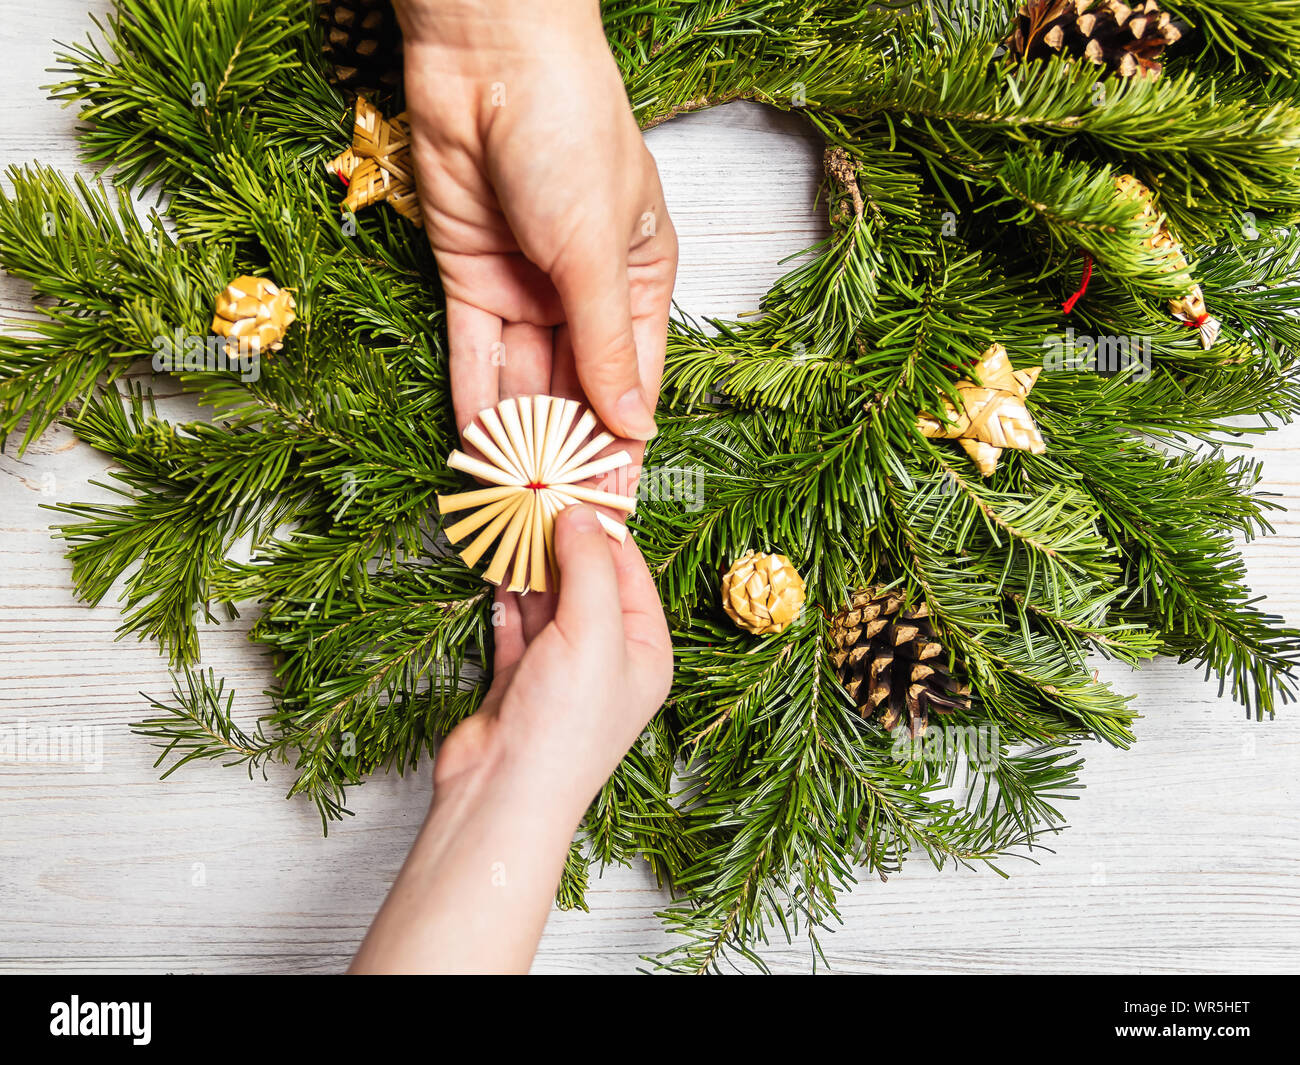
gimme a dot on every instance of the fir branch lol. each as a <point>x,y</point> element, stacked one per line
<point>199,725</point>
<point>158,92</point>
<point>112,287</point>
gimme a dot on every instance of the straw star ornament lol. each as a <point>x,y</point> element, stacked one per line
<point>536,452</point>
<point>993,414</point>
<point>378,166</point>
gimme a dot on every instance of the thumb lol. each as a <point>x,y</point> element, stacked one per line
<point>592,282</point>
<point>589,600</point>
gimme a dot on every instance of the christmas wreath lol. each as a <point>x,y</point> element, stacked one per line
<point>977,436</point>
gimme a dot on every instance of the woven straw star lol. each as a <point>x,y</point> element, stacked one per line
<point>993,415</point>
<point>536,451</point>
<point>378,166</point>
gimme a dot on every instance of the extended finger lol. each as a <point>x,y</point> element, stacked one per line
<point>526,361</point>
<point>643,613</point>
<point>588,610</point>
<point>474,337</point>
<point>564,383</point>
<point>537,610</point>
<point>593,285</point>
<point>507,630</point>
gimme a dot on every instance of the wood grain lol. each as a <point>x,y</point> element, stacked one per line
<point>1182,855</point>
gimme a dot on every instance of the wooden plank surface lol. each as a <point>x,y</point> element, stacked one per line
<point>1182,854</point>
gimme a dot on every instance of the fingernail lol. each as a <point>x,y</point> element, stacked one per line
<point>581,519</point>
<point>636,417</point>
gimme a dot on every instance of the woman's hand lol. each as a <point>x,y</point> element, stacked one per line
<point>575,676</point>
<point>576,679</point>
<point>543,205</point>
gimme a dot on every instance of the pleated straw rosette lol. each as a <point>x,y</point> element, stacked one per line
<point>378,166</point>
<point>536,452</point>
<point>253,311</point>
<point>762,593</point>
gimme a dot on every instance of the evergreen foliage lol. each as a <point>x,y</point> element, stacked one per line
<point>757,794</point>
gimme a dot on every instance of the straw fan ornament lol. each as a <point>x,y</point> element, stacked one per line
<point>536,452</point>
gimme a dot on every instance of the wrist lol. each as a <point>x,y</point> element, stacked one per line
<point>474,893</point>
<point>481,770</point>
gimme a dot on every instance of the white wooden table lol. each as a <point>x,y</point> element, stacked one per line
<point>1182,854</point>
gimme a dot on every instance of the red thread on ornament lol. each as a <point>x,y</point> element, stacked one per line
<point>1068,305</point>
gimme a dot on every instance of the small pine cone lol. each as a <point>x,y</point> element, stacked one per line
<point>762,593</point>
<point>363,43</point>
<point>255,311</point>
<point>892,662</point>
<point>1124,40</point>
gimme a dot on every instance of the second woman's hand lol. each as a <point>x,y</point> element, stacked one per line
<point>543,206</point>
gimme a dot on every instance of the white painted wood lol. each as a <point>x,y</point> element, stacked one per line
<point>1182,855</point>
